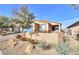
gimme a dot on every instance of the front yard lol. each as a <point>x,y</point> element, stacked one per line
<point>21,46</point>
<point>19,49</point>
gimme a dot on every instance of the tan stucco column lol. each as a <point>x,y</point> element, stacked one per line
<point>21,29</point>
<point>33,27</point>
<point>47,27</point>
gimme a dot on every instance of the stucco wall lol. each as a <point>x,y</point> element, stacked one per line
<point>74,31</point>
<point>49,37</point>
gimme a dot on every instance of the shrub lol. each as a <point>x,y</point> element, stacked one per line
<point>77,36</point>
<point>18,36</point>
<point>63,48</point>
<point>66,39</point>
<point>1,31</point>
<point>44,45</point>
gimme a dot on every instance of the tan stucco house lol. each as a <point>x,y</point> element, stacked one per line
<point>47,31</point>
<point>72,29</point>
<point>45,26</point>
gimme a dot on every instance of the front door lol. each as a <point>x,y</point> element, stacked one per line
<point>53,28</point>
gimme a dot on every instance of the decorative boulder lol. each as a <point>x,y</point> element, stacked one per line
<point>29,48</point>
<point>12,42</point>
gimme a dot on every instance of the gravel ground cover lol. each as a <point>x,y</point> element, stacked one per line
<point>21,46</point>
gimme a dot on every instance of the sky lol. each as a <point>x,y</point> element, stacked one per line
<point>62,13</point>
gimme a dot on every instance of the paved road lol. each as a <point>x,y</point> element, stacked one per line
<point>6,37</point>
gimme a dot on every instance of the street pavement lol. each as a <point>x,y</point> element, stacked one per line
<point>2,38</point>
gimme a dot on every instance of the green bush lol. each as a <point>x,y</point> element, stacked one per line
<point>77,36</point>
<point>66,39</point>
<point>63,48</point>
<point>44,45</point>
<point>4,32</point>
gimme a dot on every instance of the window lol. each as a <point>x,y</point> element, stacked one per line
<point>43,27</point>
<point>54,28</point>
<point>69,32</point>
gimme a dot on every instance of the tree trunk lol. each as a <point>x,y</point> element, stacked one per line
<point>23,33</point>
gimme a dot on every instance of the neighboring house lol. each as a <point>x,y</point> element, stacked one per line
<point>73,29</point>
<point>12,26</point>
<point>46,26</point>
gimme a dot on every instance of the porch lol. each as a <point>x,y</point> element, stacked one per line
<point>46,27</point>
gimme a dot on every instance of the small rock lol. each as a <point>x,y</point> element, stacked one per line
<point>12,42</point>
<point>29,48</point>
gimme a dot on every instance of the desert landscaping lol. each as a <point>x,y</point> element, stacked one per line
<point>41,47</point>
<point>22,45</point>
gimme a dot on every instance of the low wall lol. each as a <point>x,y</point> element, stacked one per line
<point>49,37</point>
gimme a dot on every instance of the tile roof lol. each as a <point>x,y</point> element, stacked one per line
<point>73,24</point>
